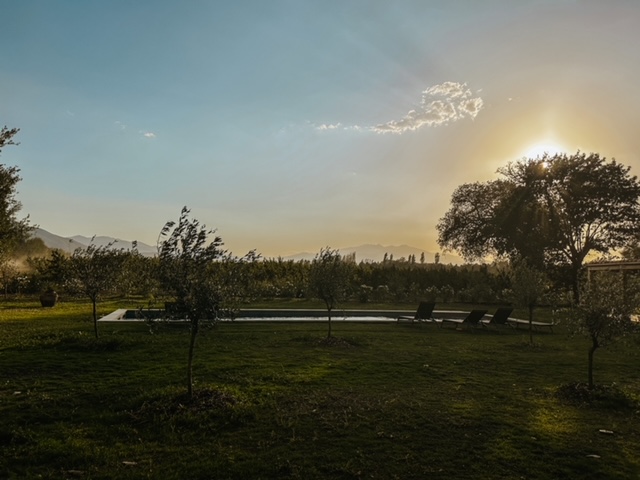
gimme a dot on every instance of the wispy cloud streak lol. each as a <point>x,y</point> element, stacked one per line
<point>439,105</point>
<point>328,126</point>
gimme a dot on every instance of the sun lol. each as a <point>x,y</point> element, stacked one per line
<point>538,150</point>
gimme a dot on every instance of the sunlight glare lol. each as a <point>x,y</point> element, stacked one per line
<point>539,149</point>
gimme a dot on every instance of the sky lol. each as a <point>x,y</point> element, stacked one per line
<point>291,125</point>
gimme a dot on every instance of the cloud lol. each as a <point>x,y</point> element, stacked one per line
<point>148,134</point>
<point>439,105</point>
<point>329,126</point>
<point>471,107</point>
<point>447,89</point>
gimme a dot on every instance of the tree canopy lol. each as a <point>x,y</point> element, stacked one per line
<point>329,279</point>
<point>528,286</point>
<point>92,272</point>
<point>205,280</point>
<point>12,230</point>
<point>552,211</point>
<point>604,312</point>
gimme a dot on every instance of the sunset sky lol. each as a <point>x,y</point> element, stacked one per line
<point>290,125</point>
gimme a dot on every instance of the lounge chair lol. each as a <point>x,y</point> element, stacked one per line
<point>471,320</point>
<point>424,313</point>
<point>499,319</point>
<point>517,323</point>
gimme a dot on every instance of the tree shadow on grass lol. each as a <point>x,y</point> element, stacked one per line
<point>332,341</point>
<point>535,347</point>
<point>176,406</point>
<point>335,342</point>
<point>609,397</point>
<point>89,345</point>
<point>71,342</point>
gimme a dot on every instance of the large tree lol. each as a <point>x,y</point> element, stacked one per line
<point>12,230</point>
<point>551,211</point>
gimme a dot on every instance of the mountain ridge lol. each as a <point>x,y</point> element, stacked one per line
<point>367,252</point>
<point>54,241</point>
<point>103,240</point>
<point>70,244</point>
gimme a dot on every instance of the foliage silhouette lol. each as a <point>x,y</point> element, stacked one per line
<point>552,211</point>
<point>92,272</point>
<point>528,286</point>
<point>604,313</point>
<point>12,230</point>
<point>329,279</point>
<point>206,281</point>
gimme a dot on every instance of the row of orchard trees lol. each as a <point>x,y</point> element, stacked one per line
<point>388,282</point>
<point>286,279</point>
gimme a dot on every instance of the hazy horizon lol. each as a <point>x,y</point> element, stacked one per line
<point>364,252</point>
<point>289,126</point>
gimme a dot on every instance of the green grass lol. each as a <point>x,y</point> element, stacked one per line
<point>392,401</point>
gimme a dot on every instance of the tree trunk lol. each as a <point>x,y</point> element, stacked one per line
<point>94,300</point>
<point>531,325</point>
<point>592,350</point>
<point>575,286</point>
<point>329,314</point>
<point>192,344</point>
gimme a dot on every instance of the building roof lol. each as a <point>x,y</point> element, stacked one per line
<point>619,265</point>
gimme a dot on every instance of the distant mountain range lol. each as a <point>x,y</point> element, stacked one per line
<point>143,248</point>
<point>366,252</point>
<point>55,241</point>
<point>70,244</point>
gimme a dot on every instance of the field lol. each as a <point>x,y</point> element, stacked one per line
<point>275,401</point>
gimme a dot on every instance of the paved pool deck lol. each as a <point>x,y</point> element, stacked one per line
<point>306,315</point>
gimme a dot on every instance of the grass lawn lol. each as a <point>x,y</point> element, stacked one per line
<point>273,401</point>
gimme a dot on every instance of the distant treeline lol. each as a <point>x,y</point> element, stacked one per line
<point>398,281</point>
<point>370,282</point>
